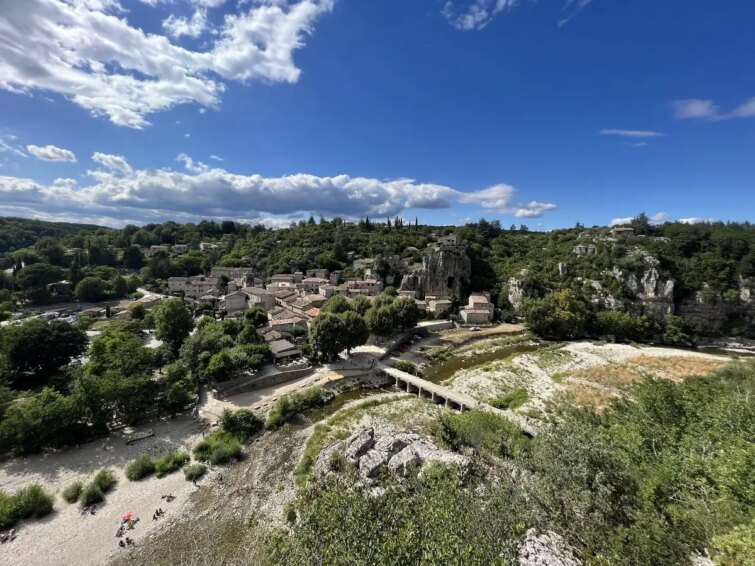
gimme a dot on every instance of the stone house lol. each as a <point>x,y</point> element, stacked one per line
<point>479,310</point>
<point>438,306</point>
<point>311,285</point>
<point>234,302</point>
<point>259,297</point>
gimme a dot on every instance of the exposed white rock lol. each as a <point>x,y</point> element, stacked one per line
<point>546,549</point>
<point>372,451</point>
<point>359,444</point>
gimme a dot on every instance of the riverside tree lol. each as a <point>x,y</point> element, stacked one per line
<point>327,335</point>
<point>355,330</point>
<point>172,322</point>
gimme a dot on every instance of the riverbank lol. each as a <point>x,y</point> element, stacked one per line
<point>67,537</point>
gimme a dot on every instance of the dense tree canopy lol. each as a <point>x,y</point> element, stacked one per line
<point>172,322</point>
<point>36,350</point>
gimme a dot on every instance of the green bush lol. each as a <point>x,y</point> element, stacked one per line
<point>8,515</point>
<point>140,468</point>
<point>72,492</point>
<point>30,501</point>
<point>105,480</point>
<point>290,405</point>
<point>171,463</point>
<point>91,494</point>
<point>33,501</point>
<point>407,366</point>
<point>243,423</point>
<point>195,472</point>
<point>512,400</point>
<point>483,430</point>
<point>219,447</point>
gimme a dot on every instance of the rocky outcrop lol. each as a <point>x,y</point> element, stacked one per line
<point>734,315</point>
<point>656,294</point>
<point>444,272</point>
<point>385,450</point>
<point>546,549</point>
<point>519,288</point>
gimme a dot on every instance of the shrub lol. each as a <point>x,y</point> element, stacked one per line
<point>105,480</point>
<point>407,366</point>
<point>91,494</point>
<point>243,423</point>
<point>72,492</point>
<point>195,472</point>
<point>140,468</point>
<point>219,447</point>
<point>171,462</point>
<point>8,515</point>
<point>512,400</point>
<point>290,405</point>
<point>33,501</point>
<point>482,430</point>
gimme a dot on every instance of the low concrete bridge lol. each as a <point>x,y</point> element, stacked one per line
<point>433,391</point>
<point>451,399</point>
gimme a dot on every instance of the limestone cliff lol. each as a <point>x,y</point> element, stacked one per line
<point>444,272</point>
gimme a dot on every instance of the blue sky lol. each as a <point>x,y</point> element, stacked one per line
<point>541,112</point>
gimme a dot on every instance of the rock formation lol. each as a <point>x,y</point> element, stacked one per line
<point>444,272</point>
<point>375,451</point>
<point>546,549</point>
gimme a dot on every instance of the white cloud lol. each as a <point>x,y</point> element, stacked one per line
<point>658,219</point>
<point>695,108</point>
<point>216,158</point>
<point>65,182</point>
<point>475,14</point>
<point>151,195</point>
<point>88,51</point>
<point>8,144</point>
<point>631,133</point>
<point>621,220</point>
<point>698,109</point>
<point>746,110</point>
<point>639,144</point>
<point>573,7</point>
<point>467,15</point>
<point>695,220</point>
<point>191,27</point>
<point>51,153</point>
<point>191,165</point>
<point>117,162</point>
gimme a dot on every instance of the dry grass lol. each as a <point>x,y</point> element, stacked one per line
<point>675,368</point>
<point>586,396</point>
<point>632,370</point>
<point>465,335</point>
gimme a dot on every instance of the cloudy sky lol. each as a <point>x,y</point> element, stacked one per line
<point>543,112</point>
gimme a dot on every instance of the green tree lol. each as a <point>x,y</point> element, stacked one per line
<point>336,304</point>
<point>34,351</point>
<point>355,330</point>
<point>380,321</point>
<point>327,336</point>
<point>91,289</point>
<point>255,316</point>
<point>361,304</point>
<point>560,315</point>
<point>50,250</point>
<point>38,275</point>
<point>132,257</point>
<point>172,321</point>
<point>406,312</point>
<point>120,352</point>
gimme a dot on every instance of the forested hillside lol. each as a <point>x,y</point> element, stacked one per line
<point>704,273</point>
